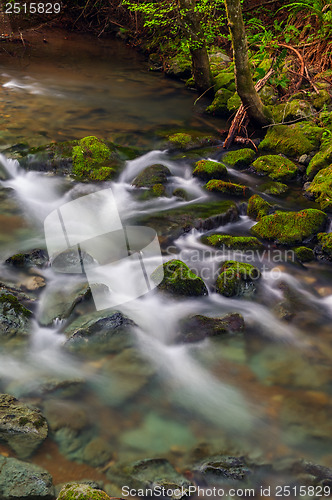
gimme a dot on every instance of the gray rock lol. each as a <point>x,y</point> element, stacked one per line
<point>97,452</point>
<point>21,480</point>
<point>23,428</point>
<point>14,317</point>
<point>59,303</point>
<point>33,258</point>
<point>223,466</point>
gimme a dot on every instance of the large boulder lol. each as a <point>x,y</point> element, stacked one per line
<point>277,167</point>
<point>237,279</point>
<point>21,427</point>
<point>285,140</point>
<point>291,228</point>
<point>24,481</point>
<point>321,188</point>
<point>179,279</point>
<point>208,169</point>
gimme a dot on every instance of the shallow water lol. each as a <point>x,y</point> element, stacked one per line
<point>265,393</point>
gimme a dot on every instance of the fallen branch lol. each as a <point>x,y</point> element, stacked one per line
<point>241,118</point>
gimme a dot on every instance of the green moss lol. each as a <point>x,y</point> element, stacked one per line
<point>10,302</point>
<point>304,254</point>
<point>236,278</point>
<point>320,161</point>
<point>276,167</point>
<point>225,80</point>
<point>258,207</point>
<point>180,140</point>
<point>292,110</point>
<point>286,140</point>
<point>234,102</point>
<point>219,103</point>
<point>240,158</point>
<point>321,99</point>
<point>310,131</point>
<point>178,279</point>
<point>81,492</point>
<point>291,228</point>
<point>92,160</point>
<point>23,421</point>
<point>207,169</point>
<point>181,193</point>
<point>232,242</point>
<point>150,176</point>
<point>321,188</point>
<point>274,188</point>
<point>227,188</point>
<point>325,241</point>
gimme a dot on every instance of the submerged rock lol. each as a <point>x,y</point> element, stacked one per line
<point>58,304</point>
<point>104,331</point>
<point>223,466</point>
<point>21,480</point>
<point>198,327</point>
<point>232,242</point>
<point>77,491</point>
<point>155,174</point>
<point>277,167</point>
<point>224,187</point>
<point>208,169</point>
<point>237,279</point>
<point>33,258</point>
<point>321,188</point>
<point>179,279</point>
<point>14,317</point>
<point>258,207</point>
<point>274,188</point>
<point>23,428</point>
<point>291,228</point>
<point>97,452</point>
<point>240,158</point>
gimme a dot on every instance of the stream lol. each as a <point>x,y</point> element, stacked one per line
<point>265,393</point>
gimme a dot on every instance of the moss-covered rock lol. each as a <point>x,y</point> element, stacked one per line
<point>181,193</point>
<point>92,160</point>
<point>14,317</point>
<point>179,279</point>
<point>277,167</point>
<point>296,109</point>
<point>320,161</point>
<point>258,207</point>
<point>304,254</point>
<point>156,191</point>
<point>240,158</point>
<point>237,279</point>
<point>21,427</point>
<point>285,140</point>
<point>291,228</point>
<point>274,188</point>
<point>33,258</point>
<point>233,242</point>
<point>234,102</point>
<point>155,174</point>
<point>319,100</point>
<point>219,104</point>
<point>268,95</point>
<point>224,187</point>
<point>81,492</point>
<point>179,66</point>
<point>321,188</point>
<point>198,327</point>
<point>225,80</point>
<point>180,140</point>
<point>208,169</point>
<point>325,243</point>
<point>312,132</point>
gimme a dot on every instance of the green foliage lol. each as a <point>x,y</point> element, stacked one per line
<point>307,9</point>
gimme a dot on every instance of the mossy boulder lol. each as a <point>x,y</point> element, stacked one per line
<point>325,244</point>
<point>33,258</point>
<point>237,279</point>
<point>234,102</point>
<point>218,106</point>
<point>179,279</point>
<point>93,160</point>
<point>14,318</point>
<point>321,188</point>
<point>81,492</point>
<point>268,95</point>
<point>242,243</point>
<point>240,158</point>
<point>180,140</point>
<point>150,176</point>
<point>258,207</point>
<point>285,140</point>
<point>291,228</point>
<point>304,254</point>
<point>320,161</point>
<point>319,100</point>
<point>312,132</point>
<point>296,109</point>
<point>223,187</point>
<point>277,167</point>
<point>198,327</point>
<point>179,66</point>
<point>21,427</point>
<point>225,80</point>
<point>274,188</point>
<point>208,169</point>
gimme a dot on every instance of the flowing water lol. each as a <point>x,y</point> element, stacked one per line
<point>265,393</point>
